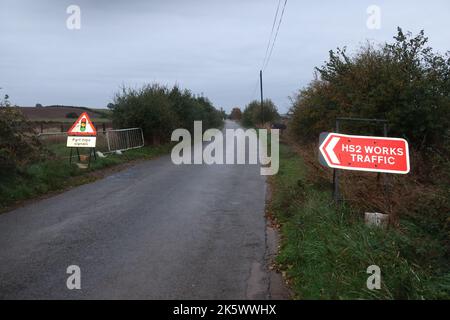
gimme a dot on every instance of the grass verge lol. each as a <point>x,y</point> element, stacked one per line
<point>56,174</point>
<point>326,249</point>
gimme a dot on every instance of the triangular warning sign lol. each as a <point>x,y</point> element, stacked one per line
<point>82,127</point>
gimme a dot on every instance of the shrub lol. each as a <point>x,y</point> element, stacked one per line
<point>18,143</point>
<point>190,108</point>
<point>159,110</point>
<point>148,108</point>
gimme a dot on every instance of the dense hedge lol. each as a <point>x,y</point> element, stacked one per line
<point>408,84</point>
<point>404,82</point>
<point>158,110</point>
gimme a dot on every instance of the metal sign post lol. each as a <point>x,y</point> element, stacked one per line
<point>336,194</point>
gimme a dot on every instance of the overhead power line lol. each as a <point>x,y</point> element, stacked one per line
<point>276,35</point>
<point>271,33</point>
<point>271,42</point>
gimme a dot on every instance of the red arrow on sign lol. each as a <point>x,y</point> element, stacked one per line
<point>363,153</point>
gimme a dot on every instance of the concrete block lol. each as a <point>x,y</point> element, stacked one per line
<point>376,219</point>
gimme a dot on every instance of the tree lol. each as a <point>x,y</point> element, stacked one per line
<point>5,102</point>
<point>253,113</point>
<point>236,114</point>
<point>18,142</point>
<point>403,82</point>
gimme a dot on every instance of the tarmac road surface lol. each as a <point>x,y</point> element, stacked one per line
<point>153,231</point>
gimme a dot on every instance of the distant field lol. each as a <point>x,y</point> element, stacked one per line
<point>54,118</point>
<point>59,114</point>
<point>68,120</point>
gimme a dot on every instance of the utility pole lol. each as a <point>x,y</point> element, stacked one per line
<point>262,101</point>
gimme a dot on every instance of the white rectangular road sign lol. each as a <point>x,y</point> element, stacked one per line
<point>81,142</point>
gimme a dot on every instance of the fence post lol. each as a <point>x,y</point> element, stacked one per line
<point>107,140</point>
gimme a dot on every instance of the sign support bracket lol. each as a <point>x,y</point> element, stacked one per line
<point>336,191</point>
<point>91,151</point>
<point>78,154</point>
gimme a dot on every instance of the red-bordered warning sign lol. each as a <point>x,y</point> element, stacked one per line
<point>82,127</point>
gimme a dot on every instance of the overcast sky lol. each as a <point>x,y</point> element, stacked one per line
<point>211,47</point>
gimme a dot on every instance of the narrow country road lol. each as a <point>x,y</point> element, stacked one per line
<point>153,231</point>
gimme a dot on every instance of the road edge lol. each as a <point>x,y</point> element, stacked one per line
<point>277,286</point>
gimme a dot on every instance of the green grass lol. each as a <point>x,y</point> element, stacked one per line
<point>57,174</point>
<point>326,249</point>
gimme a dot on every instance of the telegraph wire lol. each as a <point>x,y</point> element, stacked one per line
<point>276,35</point>
<point>271,33</point>
<point>268,56</point>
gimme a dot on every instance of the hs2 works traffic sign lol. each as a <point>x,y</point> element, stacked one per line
<point>364,153</point>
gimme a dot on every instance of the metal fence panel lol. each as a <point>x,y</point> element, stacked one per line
<point>107,141</point>
<point>124,139</point>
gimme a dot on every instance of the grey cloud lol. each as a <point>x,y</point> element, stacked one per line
<point>214,47</point>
